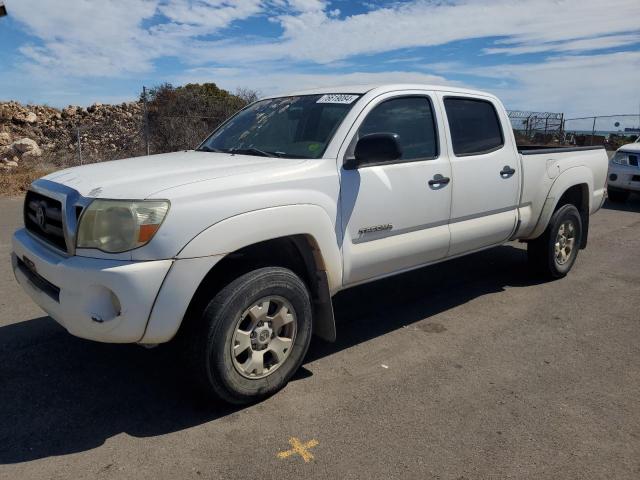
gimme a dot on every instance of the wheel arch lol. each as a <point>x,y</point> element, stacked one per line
<point>298,237</point>
<point>578,195</point>
<point>298,253</point>
<point>573,186</point>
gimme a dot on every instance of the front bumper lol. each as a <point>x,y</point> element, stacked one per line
<point>103,300</point>
<point>624,177</point>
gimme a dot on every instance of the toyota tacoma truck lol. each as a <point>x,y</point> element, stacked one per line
<point>624,172</point>
<point>235,249</point>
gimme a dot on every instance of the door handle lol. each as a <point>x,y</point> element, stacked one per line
<point>507,171</point>
<point>439,180</point>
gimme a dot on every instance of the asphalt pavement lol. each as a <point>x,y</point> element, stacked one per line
<point>471,369</point>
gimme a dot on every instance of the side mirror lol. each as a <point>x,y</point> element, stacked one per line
<point>375,148</point>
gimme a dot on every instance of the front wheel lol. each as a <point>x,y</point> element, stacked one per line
<point>555,251</point>
<point>252,336</point>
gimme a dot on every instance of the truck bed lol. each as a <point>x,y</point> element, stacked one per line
<point>542,166</point>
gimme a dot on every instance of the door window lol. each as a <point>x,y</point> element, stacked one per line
<point>474,126</point>
<point>411,118</point>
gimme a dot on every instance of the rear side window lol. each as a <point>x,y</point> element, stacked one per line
<point>474,125</point>
<point>409,117</point>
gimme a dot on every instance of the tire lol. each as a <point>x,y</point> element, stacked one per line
<point>617,196</point>
<point>255,372</point>
<point>564,229</point>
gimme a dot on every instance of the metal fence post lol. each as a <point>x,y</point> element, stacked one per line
<point>146,118</point>
<point>79,144</point>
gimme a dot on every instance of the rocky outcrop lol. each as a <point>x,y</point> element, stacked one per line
<point>5,139</point>
<point>31,134</point>
<point>25,145</point>
<point>25,117</point>
<point>22,150</point>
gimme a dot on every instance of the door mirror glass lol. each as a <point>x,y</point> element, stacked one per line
<point>375,148</point>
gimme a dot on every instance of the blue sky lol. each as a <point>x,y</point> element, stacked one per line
<point>580,57</point>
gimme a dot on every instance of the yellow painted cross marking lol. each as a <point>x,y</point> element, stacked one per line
<point>299,448</point>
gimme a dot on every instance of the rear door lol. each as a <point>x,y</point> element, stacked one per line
<point>392,217</point>
<point>485,171</point>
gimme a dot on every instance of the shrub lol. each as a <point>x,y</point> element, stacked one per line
<point>181,117</point>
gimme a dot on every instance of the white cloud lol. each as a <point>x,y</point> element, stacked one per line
<point>580,45</point>
<point>576,85</point>
<point>209,15</point>
<point>83,39</point>
<point>307,5</point>
<point>315,36</point>
<point>109,38</point>
<point>278,82</point>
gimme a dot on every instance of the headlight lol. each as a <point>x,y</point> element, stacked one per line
<point>620,158</point>
<point>120,225</point>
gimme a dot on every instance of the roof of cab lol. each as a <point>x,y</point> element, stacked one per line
<point>382,88</point>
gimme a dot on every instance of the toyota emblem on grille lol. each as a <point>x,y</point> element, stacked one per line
<point>41,217</point>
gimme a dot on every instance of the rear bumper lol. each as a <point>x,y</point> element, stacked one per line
<point>624,177</point>
<point>103,300</point>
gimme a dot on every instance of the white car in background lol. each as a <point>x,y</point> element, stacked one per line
<point>624,172</point>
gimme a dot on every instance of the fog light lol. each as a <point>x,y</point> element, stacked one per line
<point>613,177</point>
<point>102,304</point>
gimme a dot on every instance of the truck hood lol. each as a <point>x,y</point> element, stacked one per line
<point>630,147</point>
<point>141,177</point>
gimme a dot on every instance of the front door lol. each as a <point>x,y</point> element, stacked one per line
<point>393,218</point>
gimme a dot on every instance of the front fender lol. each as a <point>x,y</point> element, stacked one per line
<point>256,226</point>
<point>210,246</point>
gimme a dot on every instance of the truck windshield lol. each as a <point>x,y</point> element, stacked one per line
<point>292,127</point>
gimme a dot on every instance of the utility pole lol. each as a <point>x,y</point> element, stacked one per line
<point>146,118</point>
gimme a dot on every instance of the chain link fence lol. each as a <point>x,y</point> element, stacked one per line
<point>538,128</point>
<point>93,143</point>
<point>553,129</point>
<point>612,131</point>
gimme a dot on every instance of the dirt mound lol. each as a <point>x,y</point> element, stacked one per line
<point>35,135</point>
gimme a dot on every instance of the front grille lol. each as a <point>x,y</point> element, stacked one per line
<point>633,160</point>
<point>43,218</point>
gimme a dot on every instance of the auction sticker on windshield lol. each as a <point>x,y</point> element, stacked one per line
<point>337,98</point>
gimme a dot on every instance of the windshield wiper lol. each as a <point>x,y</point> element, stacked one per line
<point>206,148</point>
<point>247,151</point>
<point>252,151</point>
<point>288,155</point>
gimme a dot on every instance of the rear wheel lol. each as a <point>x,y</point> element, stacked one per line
<point>252,337</point>
<point>617,196</point>
<point>555,251</point>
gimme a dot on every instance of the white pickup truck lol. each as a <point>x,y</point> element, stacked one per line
<point>236,248</point>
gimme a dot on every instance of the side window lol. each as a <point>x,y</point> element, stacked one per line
<point>409,117</point>
<point>474,126</point>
